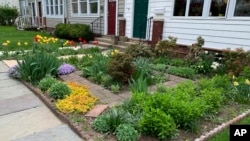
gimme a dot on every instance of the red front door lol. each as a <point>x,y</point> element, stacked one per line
<point>111,17</point>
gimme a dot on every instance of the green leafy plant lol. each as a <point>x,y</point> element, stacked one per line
<point>157,123</point>
<point>121,67</point>
<point>161,88</point>
<point>109,121</point>
<point>36,66</point>
<point>115,88</point>
<point>100,124</point>
<point>125,132</point>
<point>59,90</point>
<point>106,80</point>
<point>46,83</point>
<point>182,71</point>
<point>139,85</point>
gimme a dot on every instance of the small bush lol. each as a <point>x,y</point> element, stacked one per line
<point>125,132</point>
<point>155,122</point>
<point>100,124</point>
<point>139,51</point>
<point>59,90</point>
<point>166,47</point>
<point>46,83</point>
<point>121,67</point>
<point>115,88</point>
<point>73,31</point>
<point>8,14</point>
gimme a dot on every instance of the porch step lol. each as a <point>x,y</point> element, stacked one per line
<point>126,43</point>
<point>105,40</point>
<point>119,47</point>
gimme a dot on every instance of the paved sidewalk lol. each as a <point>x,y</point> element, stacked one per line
<point>23,117</point>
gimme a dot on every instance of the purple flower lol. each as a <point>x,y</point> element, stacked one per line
<point>65,69</point>
<point>13,73</point>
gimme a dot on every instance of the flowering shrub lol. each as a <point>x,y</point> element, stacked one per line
<point>79,100</point>
<point>65,69</point>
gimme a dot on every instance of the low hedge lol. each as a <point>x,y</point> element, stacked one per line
<point>73,31</point>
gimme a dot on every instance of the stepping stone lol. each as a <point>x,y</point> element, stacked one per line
<point>10,63</point>
<point>96,111</point>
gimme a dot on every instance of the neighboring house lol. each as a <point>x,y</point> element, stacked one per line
<point>222,23</point>
<point>102,13</point>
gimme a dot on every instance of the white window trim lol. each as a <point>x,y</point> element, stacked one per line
<point>205,14</point>
<point>88,14</point>
<point>59,9</point>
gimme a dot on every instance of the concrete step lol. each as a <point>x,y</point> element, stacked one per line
<point>127,43</point>
<point>106,40</point>
<point>120,47</point>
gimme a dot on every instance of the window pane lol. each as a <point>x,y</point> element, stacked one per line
<point>47,9</point>
<point>195,8</point>
<point>242,8</point>
<point>93,7</point>
<point>74,8</point>
<point>218,8</point>
<point>83,7</point>
<point>180,7</point>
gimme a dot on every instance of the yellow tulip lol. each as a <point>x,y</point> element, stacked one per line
<point>236,83</point>
<point>18,43</point>
<point>25,43</point>
<point>8,41</point>
<point>5,44</point>
<point>247,82</point>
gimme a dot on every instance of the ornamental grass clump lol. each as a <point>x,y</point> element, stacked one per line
<point>79,101</point>
<point>65,69</point>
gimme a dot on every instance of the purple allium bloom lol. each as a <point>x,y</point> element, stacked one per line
<point>13,73</point>
<point>65,69</point>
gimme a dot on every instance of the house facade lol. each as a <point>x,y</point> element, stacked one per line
<point>222,23</point>
<point>102,15</point>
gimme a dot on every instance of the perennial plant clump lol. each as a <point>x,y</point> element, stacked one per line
<point>65,69</point>
<point>80,100</point>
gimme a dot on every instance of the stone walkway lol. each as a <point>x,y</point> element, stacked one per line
<point>107,97</point>
<point>23,117</point>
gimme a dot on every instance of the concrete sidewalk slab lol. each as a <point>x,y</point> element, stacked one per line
<point>4,76</point>
<point>17,104</point>
<point>26,122</point>
<point>14,91</point>
<point>8,83</point>
<point>3,68</point>
<point>58,133</point>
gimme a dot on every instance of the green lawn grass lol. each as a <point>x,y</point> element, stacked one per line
<point>224,135</point>
<point>14,36</point>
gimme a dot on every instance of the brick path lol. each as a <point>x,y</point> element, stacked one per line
<point>107,97</point>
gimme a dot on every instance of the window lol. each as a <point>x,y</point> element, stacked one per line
<point>180,7</point>
<point>54,7</point>
<point>242,8</point>
<point>218,8</point>
<point>85,7</point>
<point>196,7</point>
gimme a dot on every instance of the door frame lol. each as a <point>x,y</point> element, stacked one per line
<point>106,18</point>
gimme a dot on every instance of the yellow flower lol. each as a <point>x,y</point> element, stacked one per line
<point>90,56</point>
<point>5,44</point>
<point>236,83</point>
<point>18,43</point>
<point>247,82</point>
<point>116,51</point>
<point>26,43</point>
<point>8,41</point>
<point>233,77</point>
<point>112,53</point>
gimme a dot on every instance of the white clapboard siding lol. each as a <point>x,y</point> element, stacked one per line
<point>219,33</point>
<point>52,22</point>
<point>128,14</point>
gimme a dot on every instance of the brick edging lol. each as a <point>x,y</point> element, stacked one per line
<point>47,101</point>
<point>224,125</point>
